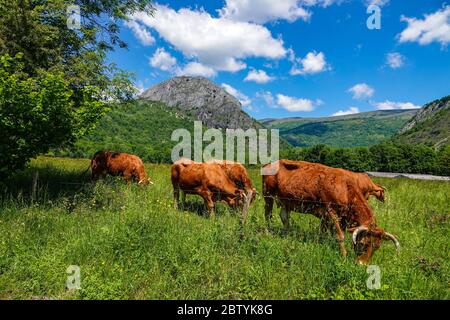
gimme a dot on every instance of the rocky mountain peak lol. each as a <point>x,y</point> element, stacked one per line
<point>204,100</point>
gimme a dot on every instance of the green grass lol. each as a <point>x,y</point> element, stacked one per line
<point>131,244</point>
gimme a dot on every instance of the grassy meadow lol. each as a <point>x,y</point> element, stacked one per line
<point>131,244</point>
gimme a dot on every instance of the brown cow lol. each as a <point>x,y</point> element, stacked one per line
<point>365,184</point>
<point>235,171</point>
<point>330,194</point>
<point>239,175</point>
<point>129,166</point>
<point>208,181</point>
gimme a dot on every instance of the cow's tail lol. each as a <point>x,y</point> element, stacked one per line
<point>91,166</point>
<point>87,169</point>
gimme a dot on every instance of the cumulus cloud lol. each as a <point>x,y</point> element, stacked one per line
<point>395,60</point>
<point>292,104</point>
<point>351,110</point>
<point>218,43</point>
<point>243,99</point>
<point>140,32</point>
<point>434,27</point>
<point>162,60</point>
<point>390,105</point>
<point>361,91</point>
<point>267,97</point>
<point>262,11</point>
<point>313,63</point>
<point>195,69</point>
<point>258,76</point>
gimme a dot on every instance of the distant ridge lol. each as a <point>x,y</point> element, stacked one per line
<point>361,129</point>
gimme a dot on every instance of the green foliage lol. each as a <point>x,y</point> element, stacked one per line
<point>57,86</point>
<point>140,128</point>
<point>385,157</point>
<point>131,244</point>
<point>35,113</point>
<point>365,129</point>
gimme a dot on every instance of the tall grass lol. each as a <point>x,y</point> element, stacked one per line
<point>131,244</point>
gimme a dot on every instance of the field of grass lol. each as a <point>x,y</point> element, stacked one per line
<point>131,244</point>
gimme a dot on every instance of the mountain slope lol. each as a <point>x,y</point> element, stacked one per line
<point>202,99</point>
<point>142,128</point>
<point>363,129</point>
<point>431,125</point>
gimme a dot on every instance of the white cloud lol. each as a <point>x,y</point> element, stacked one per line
<point>267,97</point>
<point>243,99</point>
<point>195,69</point>
<point>395,60</point>
<point>292,104</point>
<point>218,43</point>
<point>361,91</point>
<point>389,105</point>
<point>351,110</point>
<point>434,27</point>
<point>258,76</point>
<point>139,86</point>
<point>162,59</point>
<point>140,32</point>
<point>311,64</point>
<point>262,11</point>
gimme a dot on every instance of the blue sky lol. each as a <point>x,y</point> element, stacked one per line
<point>297,58</point>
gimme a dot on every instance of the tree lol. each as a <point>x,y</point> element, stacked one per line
<point>54,80</point>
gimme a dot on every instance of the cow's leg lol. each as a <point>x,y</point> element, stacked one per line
<point>176,196</point>
<point>268,207</point>
<point>183,199</point>
<point>284,215</point>
<point>339,233</point>
<point>208,199</point>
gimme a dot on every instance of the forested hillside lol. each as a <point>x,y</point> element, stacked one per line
<point>430,126</point>
<point>363,129</point>
<point>142,128</point>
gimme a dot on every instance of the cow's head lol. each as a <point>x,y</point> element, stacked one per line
<point>379,192</point>
<point>367,240</point>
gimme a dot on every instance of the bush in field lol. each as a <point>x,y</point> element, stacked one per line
<point>55,83</point>
<point>35,113</point>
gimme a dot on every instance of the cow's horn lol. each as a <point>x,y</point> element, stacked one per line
<point>393,239</point>
<point>357,231</point>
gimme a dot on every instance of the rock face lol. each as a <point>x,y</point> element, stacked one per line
<point>430,126</point>
<point>202,99</point>
<point>426,112</point>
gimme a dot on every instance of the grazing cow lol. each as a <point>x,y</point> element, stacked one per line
<point>129,166</point>
<point>365,184</point>
<point>209,181</point>
<point>239,175</point>
<point>331,194</point>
